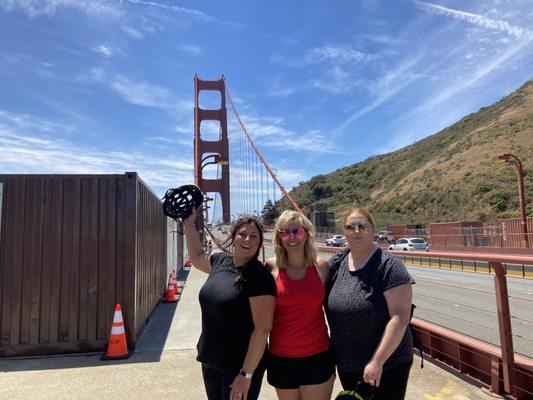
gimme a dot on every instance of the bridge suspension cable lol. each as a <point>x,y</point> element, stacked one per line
<point>249,187</point>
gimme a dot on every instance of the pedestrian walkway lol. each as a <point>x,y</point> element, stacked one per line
<point>164,366</point>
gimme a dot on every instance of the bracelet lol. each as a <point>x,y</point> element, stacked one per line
<point>247,375</point>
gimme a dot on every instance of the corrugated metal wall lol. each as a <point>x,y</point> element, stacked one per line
<point>71,246</point>
<point>511,235</point>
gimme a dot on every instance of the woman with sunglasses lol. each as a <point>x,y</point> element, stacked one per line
<point>300,365</point>
<point>368,307</point>
<point>237,302</point>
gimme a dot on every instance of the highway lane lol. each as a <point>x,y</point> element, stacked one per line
<point>465,302</point>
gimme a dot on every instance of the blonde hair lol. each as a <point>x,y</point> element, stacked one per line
<point>359,211</point>
<point>310,253</point>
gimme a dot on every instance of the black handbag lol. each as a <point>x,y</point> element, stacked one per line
<point>363,391</point>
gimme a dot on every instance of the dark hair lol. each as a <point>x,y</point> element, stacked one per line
<point>246,219</point>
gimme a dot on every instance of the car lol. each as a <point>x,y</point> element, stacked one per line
<point>337,240</point>
<point>410,244</point>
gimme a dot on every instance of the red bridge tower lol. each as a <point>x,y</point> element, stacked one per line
<point>212,152</point>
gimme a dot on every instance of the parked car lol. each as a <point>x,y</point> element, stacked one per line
<point>337,240</point>
<point>412,244</point>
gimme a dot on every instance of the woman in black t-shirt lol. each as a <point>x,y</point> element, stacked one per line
<point>238,302</point>
<point>368,308</point>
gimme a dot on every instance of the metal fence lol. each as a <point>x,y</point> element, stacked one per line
<point>493,342</point>
<point>72,246</point>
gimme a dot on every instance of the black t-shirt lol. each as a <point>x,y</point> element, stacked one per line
<point>227,322</point>
<point>357,311</point>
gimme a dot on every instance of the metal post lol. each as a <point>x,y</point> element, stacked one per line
<point>504,323</point>
<point>523,222</point>
<point>520,181</point>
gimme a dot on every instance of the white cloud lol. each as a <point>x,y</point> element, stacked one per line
<point>288,40</point>
<point>25,151</point>
<point>272,134</point>
<point>134,33</point>
<point>188,12</point>
<point>462,84</point>
<point>122,10</point>
<point>104,50</point>
<point>340,54</point>
<point>36,8</point>
<point>478,20</point>
<point>29,122</point>
<point>194,50</point>
<point>282,91</point>
<point>140,93</point>
<point>336,55</point>
<point>335,80</point>
<point>277,89</point>
<point>390,83</point>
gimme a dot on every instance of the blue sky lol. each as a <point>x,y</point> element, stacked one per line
<point>107,86</point>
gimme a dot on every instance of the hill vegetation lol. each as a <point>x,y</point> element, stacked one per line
<point>448,176</point>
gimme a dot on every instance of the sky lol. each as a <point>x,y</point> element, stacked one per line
<point>107,86</point>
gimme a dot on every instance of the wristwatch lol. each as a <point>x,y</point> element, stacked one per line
<point>247,375</point>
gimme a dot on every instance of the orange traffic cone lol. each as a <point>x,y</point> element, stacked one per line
<point>117,347</point>
<point>170,294</point>
<point>172,279</point>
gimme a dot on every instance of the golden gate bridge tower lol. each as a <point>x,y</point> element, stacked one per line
<point>212,151</point>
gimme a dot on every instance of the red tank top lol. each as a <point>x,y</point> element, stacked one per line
<point>299,328</point>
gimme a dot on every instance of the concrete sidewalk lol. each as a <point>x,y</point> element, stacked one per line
<point>164,366</point>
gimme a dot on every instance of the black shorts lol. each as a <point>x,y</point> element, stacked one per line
<point>291,373</point>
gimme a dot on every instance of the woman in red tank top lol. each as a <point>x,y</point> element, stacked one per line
<point>301,364</point>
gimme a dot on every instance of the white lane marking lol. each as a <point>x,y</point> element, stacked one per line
<point>429,277</point>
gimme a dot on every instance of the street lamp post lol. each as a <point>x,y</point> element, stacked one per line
<point>507,157</point>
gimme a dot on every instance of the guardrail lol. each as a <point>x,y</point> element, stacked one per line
<point>497,368</point>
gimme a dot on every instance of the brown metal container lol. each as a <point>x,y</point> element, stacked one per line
<point>397,231</point>
<point>71,247</point>
<point>510,233</point>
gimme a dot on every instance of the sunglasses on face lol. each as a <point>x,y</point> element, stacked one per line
<point>298,233</point>
<point>251,236</point>
<point>359,227</point>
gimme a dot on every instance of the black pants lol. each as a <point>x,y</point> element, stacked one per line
<point>217,382</point>
<point>392,386</point>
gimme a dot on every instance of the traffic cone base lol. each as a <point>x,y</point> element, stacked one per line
<point>170,294</point>
<point>117,347</point>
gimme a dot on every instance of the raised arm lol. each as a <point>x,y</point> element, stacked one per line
<point>195,249</point>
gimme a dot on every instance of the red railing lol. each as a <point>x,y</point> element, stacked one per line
<point>498,368</point>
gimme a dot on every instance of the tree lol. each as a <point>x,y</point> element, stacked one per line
<point>269,213</point>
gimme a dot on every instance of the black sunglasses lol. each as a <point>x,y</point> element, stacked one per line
<point>360,227</point>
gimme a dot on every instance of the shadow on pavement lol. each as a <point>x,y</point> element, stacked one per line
<point>149,348</point>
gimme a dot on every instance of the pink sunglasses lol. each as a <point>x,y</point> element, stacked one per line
<point>298,233</point>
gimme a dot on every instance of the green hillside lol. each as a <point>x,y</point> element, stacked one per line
<point>448,176</point>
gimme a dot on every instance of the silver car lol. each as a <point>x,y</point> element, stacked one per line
<point>337,240</point>
<point>410,244</point>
